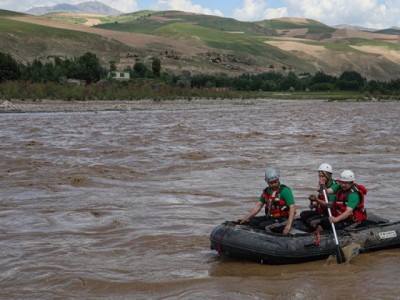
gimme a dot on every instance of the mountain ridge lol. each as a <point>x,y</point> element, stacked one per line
<point>90,7</point>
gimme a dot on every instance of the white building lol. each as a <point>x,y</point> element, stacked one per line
<point>119,75</point>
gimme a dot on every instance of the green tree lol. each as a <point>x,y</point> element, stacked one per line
<point>113,66</point>
<point>394,85</point>
<point>321,77</point>
<point>374,86</point>
<point>350,80</point>
<point>241,83</point>
<point>88,68</point>
<point>291,81</point>
<point>9,68</point>
<point>140,69</point>
<point>33,71</point>
<point>156,67</point>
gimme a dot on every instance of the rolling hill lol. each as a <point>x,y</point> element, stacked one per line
<point>204,44</point>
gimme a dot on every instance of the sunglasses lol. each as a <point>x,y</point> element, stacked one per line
<point>345,183</point>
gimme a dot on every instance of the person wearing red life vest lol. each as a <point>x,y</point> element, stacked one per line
<point>318,207</point>
<point>348,207</point>
<point>279,204</point>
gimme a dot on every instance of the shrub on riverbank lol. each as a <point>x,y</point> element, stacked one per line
<point>111,90</point>
<point>107,90</point>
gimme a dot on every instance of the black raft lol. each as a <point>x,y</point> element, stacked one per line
<point>247,243</point>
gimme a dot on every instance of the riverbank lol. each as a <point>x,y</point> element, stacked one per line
<point>24,106</point>
<point>122,105</point>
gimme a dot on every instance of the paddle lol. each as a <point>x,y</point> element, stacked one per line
<point>339,252</point>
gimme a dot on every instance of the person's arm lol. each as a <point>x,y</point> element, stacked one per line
<point>333,189</point>
<point>329,191</point>
<point>287,195</point>
<point>323,203</point>
<point>353,201</point>
<point>252,213</point>
<point>347,213</point>
<point>292,213</point>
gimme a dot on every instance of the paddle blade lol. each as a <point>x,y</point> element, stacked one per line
<point>340,258</point>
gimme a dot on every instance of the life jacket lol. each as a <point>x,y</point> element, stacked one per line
<point>275,206</point>
<point>359,213</point>
<point>323,210</point>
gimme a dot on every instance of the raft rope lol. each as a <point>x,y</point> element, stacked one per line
<point>318,239</point>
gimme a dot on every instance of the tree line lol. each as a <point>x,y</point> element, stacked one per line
<point>88,68</point>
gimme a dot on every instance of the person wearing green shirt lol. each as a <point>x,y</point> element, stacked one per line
<point>348,207</point>
<point>318,207</point>
<point>280,207</point>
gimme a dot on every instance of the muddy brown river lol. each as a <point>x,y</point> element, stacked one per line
<point>120,204</point>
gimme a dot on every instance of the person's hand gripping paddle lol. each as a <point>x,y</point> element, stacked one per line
<point>339,252</point>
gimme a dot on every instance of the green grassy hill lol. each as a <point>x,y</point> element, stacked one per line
<point>149,21</point>
<point>27,41</point>
<point>203,43</point>
<point>9,13</point>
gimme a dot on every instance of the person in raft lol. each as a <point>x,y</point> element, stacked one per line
<point>280,207</point>
<point>348,207</point>
<point>318,208</point>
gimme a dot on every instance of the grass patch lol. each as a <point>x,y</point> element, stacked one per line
<point>68,19</point>
<point>375,43</point>
<point>8,13</point>
<point>218,39</point>
<point>28,29</point>
<point>311,25</point>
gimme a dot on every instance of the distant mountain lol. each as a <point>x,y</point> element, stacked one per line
<point>353,27</point>
<point>92,7</point>
<point>392,30</point>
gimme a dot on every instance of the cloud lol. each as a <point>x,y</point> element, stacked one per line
<point>331,11</point>
<point>274,13</point>
<point>368,13</point>
<point>126,6</point>
<point>23,5</point>
<point>254,10</point>
<point>184,5</point>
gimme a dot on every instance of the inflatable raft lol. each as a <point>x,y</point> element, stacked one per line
<point>247,243</point>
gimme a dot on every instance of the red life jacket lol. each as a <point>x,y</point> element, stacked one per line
<point>359,213</point>
<point>275,206</point>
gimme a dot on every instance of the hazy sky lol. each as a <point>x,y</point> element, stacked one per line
<point>367,13</point>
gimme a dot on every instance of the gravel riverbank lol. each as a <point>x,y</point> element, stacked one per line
<point>16,106</point>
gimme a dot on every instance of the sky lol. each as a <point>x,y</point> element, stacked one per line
<point>377,14</point>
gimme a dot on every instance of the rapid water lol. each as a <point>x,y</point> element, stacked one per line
<point>120,205</point>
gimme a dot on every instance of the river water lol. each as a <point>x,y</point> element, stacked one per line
<point>120,204</point>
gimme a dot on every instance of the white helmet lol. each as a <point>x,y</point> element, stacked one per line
<point>325,168</point>
<point>271,175</point>
<point>347,176</point>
